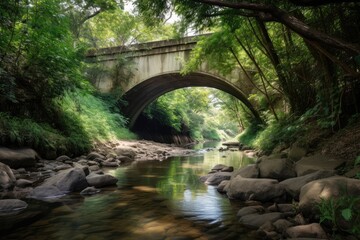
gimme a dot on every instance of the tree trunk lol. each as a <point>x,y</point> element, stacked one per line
<point>267,12</point>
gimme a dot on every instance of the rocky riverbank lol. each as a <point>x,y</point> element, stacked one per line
<point>288,193</point>
<point>24,174</point>
<point>282,192</point>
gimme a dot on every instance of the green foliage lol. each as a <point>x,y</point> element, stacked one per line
<point>82,119</point>
<point>249,135</point>
<point>16,131</point>
<point>38,61</point>
<point>211,134</point>
<point>341,213</point>
<point>94,117</point>
<point>119,28</point>
<point>266,138</point>
<point>194,109</point>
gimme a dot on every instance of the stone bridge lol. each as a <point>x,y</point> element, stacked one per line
<point>156,70</point>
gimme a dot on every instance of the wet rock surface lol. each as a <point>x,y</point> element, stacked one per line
<point>258,185</point>
<point>295,183</point>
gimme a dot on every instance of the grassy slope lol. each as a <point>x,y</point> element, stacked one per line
<point>82,119</point>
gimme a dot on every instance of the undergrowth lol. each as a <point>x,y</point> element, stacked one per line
<point>266,138</point>
<point>80,120</point>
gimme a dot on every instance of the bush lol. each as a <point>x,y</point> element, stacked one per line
<point>341,214</point>
<point>81,120</point>
<point>211,134</point>
<point>249,135</point>
<point>267,138</point>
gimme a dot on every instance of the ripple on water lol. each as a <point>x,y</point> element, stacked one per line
<point>153,200</point>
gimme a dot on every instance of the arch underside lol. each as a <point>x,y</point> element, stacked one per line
<point>146,92</point>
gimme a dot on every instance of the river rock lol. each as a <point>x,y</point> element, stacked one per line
<point>94,168</point>
<point>46,192</point>
<point>293,185</point>
<point>257,220</point>
<point>263,190</point>
<point>217,178</point>
<point>227,169</point>
<point>218,167</point>
<point>62,167</point>
<point>23,183</point>
<point>110,164</point>
<point>249,171</point>
<point>25,157</point>
<point>281,225</point>
<point>85,168</point>
<point>90,191</point>
<point>222,187</point>
<point>63,158</point>
<point>284,208</point>
<point>94,155</point>
<point>125,159</point>
<point>250,210</point>
<point>68,180</point>
<point>10,206</point>
<point>7,178</point>
<point>98,180</point>
<point>313,230</point>
<point>279,169</point>
<point>317,162</point>
<point>22,192</point>
<point>124,151</point>
<point>313,192</point>
<point>204,178</point>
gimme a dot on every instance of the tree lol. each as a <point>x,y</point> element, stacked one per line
<point>80,11</point>
<point>315,39</point>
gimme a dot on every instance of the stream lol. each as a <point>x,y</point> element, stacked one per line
<point>152,200</point>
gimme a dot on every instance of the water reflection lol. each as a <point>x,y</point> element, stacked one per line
<point>153,200</point>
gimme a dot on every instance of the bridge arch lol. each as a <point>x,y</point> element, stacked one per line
<point>156,68</point>
<point>147,91</point>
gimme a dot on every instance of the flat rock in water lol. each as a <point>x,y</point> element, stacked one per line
<point>218,177</point>
<point>263,190</point>
<point>9,206</point>
<point>218,167</point>
<point>68,180</point>
<point>317,162</point>
<point>46,192</point>
<point>18,158</point>
<point>98,180</point>
<point>90,191</point>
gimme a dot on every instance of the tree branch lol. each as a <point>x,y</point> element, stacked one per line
<point>316,3</point>
<point>281,16</point>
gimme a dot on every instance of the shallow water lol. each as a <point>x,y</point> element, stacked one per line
<point>153,200</point>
